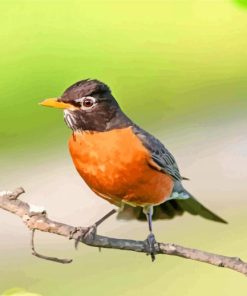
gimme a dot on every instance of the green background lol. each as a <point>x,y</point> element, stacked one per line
<point>179,69</point>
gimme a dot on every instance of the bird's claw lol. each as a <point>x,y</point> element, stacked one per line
<point>88,234</point>
<point>151,241</point>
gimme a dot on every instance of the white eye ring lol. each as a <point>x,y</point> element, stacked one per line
<point>86,102</point>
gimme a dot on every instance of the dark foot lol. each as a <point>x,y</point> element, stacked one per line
<point>87,234</point>
<point>151,241</point>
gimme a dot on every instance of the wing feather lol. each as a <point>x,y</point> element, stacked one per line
<point>159,153</point>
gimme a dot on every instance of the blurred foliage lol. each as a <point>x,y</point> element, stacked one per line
<point>242,3</point>
<point>18,292</point>
<point>167,62</point>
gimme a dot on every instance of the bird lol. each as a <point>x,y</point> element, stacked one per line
<point>121,162</point>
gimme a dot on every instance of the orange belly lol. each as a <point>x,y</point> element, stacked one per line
<point>114,164</point>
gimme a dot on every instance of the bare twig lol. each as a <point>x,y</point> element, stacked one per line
<point>37,220</point>
<point>36,254</point>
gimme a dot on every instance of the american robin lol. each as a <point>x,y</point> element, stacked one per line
<point>121,162</point>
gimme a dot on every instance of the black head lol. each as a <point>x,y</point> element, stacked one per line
<point>87,87</point>
<point>89,105</point>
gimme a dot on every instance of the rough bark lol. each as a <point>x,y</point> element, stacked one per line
<point>35,218</point>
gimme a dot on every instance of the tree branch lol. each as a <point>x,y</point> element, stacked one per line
<point>35,218</point>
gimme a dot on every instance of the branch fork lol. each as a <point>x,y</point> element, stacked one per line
<point>35,218</point>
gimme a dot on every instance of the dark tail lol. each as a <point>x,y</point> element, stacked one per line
<point>171,209</point>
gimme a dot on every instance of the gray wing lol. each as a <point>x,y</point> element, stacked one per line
<point>181,200</point>
<point>159,153</point>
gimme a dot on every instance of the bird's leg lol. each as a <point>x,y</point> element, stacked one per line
<point>90,232</point>
<point>151,238</point>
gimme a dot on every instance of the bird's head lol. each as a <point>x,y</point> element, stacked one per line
<point>89,105</point>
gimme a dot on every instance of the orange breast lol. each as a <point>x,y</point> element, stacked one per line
<point>115,165</point>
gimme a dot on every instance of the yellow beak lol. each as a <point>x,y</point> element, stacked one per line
<point>56,104</point>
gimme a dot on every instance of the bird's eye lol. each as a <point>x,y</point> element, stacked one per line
<point>88,102</point>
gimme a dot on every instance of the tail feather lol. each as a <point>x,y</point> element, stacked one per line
<point>192,206</point>
<point>171,209</point>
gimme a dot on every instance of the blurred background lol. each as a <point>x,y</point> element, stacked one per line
<point>177,68</point>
